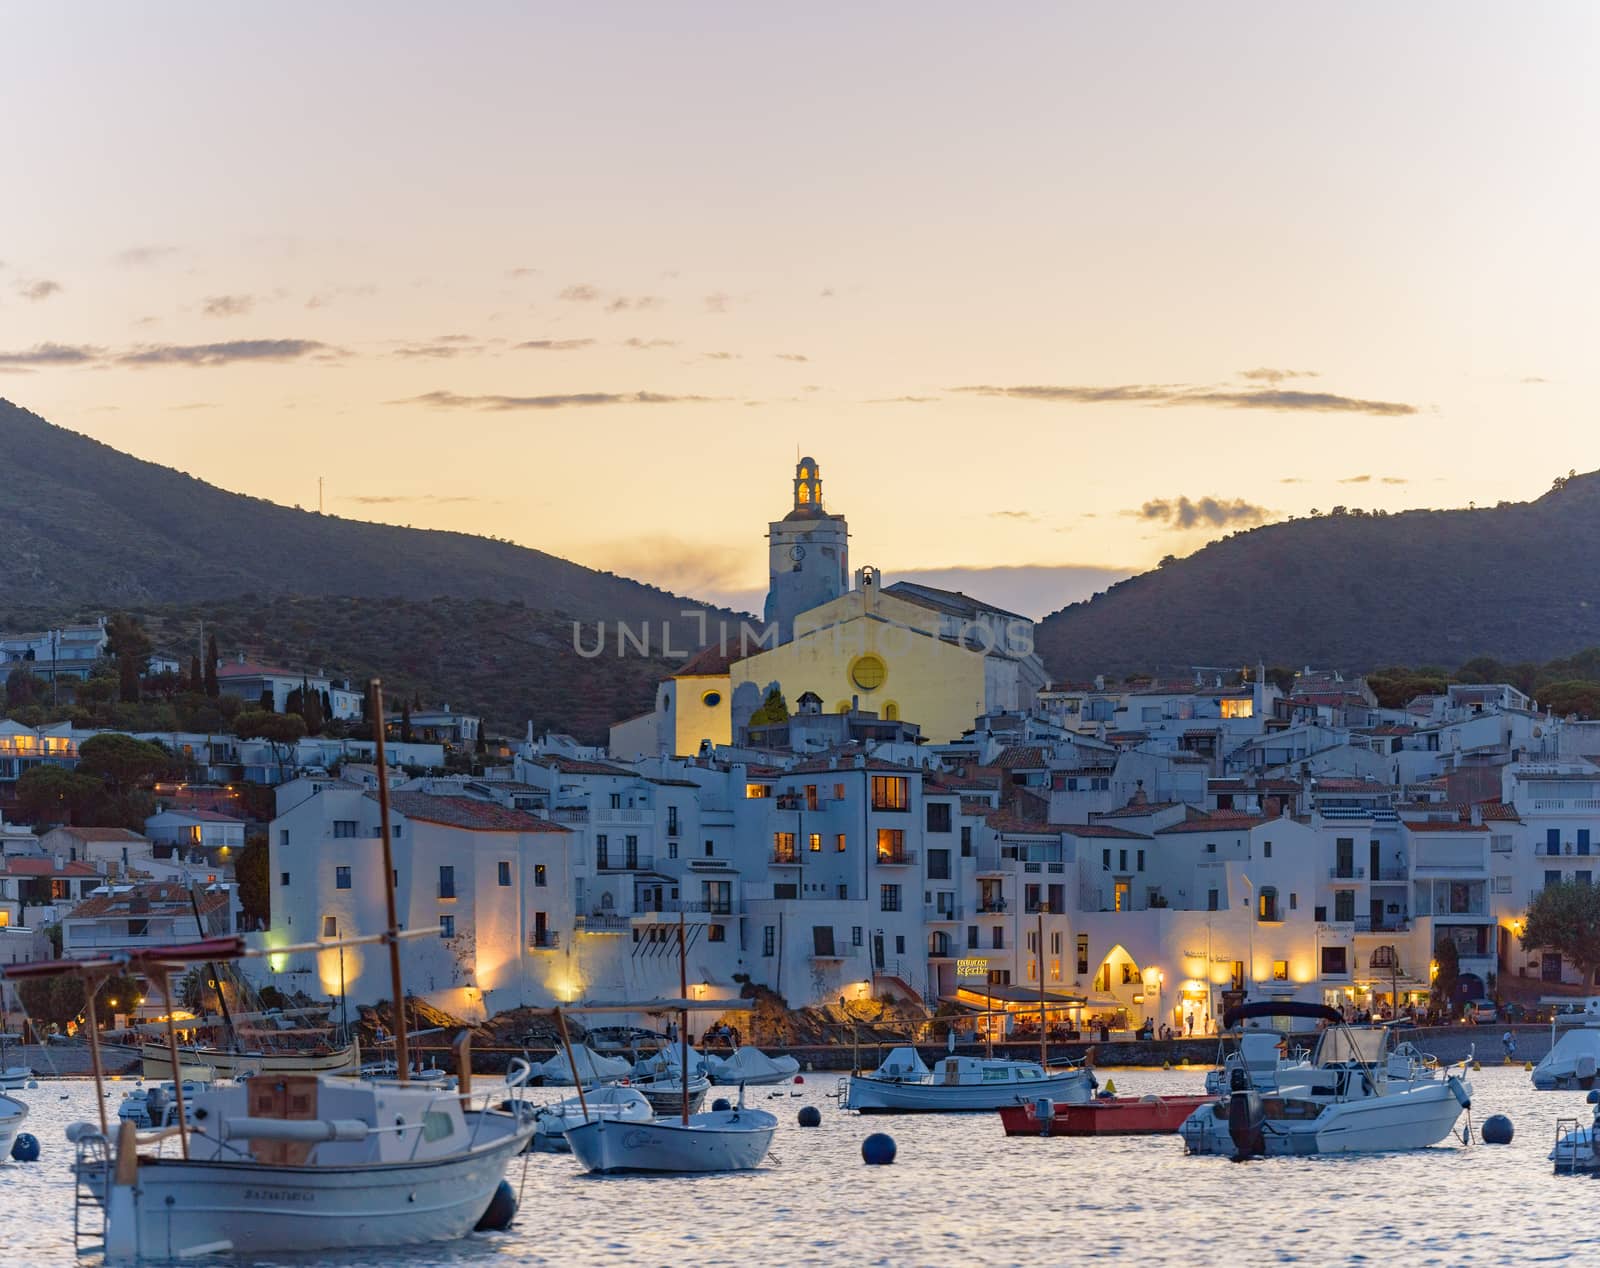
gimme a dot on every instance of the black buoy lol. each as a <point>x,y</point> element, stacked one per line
<point>25,1148</point>
<point>1496,1130</point>
<point>809,1116</point>
<point>720,1104</point>
<point>502,1210</point>
<point>877,1150</point>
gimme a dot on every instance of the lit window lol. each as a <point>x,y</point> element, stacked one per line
<point>1280,970</point>
<point>815,841</point>
<point>754,791</point>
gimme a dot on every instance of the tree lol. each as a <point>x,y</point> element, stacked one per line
<point>405,724</point>
<point>53,794</point>
<point>1565,917</point>
<point>122,761</point>
<point>197,676</point>
<point>280,730</point>
<point>127,680</point>
<point>212,689</point>
<point>251,868</point>
<point>773,709</point>
<point>21,688</point>
<point>311,711</point>
<point>1448,959</point>
<point>56,1000</point>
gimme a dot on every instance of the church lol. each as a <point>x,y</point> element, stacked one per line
<point>902,652</point>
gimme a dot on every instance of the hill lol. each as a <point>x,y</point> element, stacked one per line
<point>84,523</point>
<point>1352,590</point>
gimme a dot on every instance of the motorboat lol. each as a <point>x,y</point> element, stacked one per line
<point>618,1104</point>
<point>13,1113</point>
<point>13,1077</point>
<point>1578,1148</point>
<point>1261,1054</point>
<point>591,1066</point>
<point>667,1092</point>
<point>1103,1116</point>
<point>1574,1059</point>
<point>719,1140</point>
<point>903,1084</point>
<point>157,1106</point>
<point>752,1067</point>
<point>355,1164</point>
<point>1354,1096</point>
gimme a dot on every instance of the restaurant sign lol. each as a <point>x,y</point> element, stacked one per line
<point>972,969</point>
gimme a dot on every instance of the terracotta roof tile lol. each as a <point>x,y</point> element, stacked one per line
<point>161,895</point>
<point>464,812</point>
<point>1216,823</point>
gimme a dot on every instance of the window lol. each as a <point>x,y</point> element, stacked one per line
<point>283,836</point>
<point>1583,840</point>
<point>888,898</point>
<point>1105,860</point>
<point>1280,970</point>
<point>938,865</point>
<point>1267,904</point>
<point>283,879</point>
<point>815,842</point>
<point>1030,898</point>
<point>891,792</point>
<point>601,851</point>
<point>504,872</point>
<point>630,850</point>
<point>783,847</point>
<point>1122,860</point>
<point>1122,896</point>
<point>899,944</point>
<point>1266,849</point>
<point>538,874</point>
<point>672,849</point>
<point>1130,973</point>
<point>1502,884</point>
<point>341,878</point>
<point>447,882</point>
<point>891,845</point>
<point>710,849</point>
<point>344,827</point>
<point>838,843</point>
<point>330,926</point>
<point>1552,878</point>
<point>938,816</point>
<point>616,801</point>
<point>711,699</point>
<point>1583,878</point>
<point>869,672</point>
<point>966,841</point>
<point>769,940</point>
<point>1552,840</point>
<point>1333,961</point>
<point>447,926</point>
<point>972,937</point>
<point>1294,902</point>
<point>1083,954</point>
<point>1212,897</point>
<point>1211,847</point>
<point>999,937</point>
<point>672,822</point>
<point>1344,904</point>
<point>754,791</point>
<point>1140,861</point>
<point>855,935</point>
<point>716,933</point>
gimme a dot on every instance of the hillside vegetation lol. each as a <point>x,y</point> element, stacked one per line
<point>1519,582</point>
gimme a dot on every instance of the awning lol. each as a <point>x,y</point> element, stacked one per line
<point>1007,994</point>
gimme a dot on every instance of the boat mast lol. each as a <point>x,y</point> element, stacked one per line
<point>402,1050</point>
<point>216,983</point>
<point>683,1015</point>
<point>1044,1064</point>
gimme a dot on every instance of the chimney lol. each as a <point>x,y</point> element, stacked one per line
<point>1477,815</point>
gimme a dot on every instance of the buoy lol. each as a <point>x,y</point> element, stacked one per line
<point>800,1078</point>
<point>1496,1130</point>
<point>720,1104</point>
<point>1166,1065</point>
<point>809,1116</point>
<point>502,1210</point>
<point>25,1148</point>
<point>32,1084</point>
<point>1527,1065</point>
<point>1111,1087</point>
<point>877,1150</point>
<point>1477,1065</point>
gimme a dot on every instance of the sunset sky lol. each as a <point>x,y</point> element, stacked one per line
<point>1050,291</point>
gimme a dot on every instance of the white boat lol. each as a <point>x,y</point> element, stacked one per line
<point>1353,1097</point>
<point>903,1084</point>
<point>1579,1148</point>
<point>719,1140</point>
<point>617,1104</point>
<point>1574,1059</point>
<point>591,1066</point>
<point>1261,1054</point>
<point>753,1067</point>
<point>12,1115</point>
<point>13,1077</point>
<point>669,1060</point>
<point>157,1106</point>
<point>351,1164</point>
<point>156,1061</point>
<point>665,1092</point>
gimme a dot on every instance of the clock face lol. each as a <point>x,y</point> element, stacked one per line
<point>797,552</point>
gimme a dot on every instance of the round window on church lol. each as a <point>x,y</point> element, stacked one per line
<point>868,672</point>
<point>711,699</point>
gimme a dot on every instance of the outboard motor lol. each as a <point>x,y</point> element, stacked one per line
<point>1584,1070</point>
<point>1239,1080</point>
<point>1245,1119</point>
<point>155,1104</point>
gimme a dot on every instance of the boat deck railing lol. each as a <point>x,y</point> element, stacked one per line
<point>91,1174</point>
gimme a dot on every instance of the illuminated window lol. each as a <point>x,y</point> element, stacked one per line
<point>869,672</point>
<point>815,842</point>
<point>891,845</point>
<point>5,919</point>
<point>753,791</point>
<point>891,792</point>
<point>838,843</point>
<point>1280,970</point>
<point>1238,707</point>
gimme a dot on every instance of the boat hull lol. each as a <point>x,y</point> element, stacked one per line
<point>1413,1119</point>
<point>157,1061</point>
<point>179,1208</point>
<point>726,1140</point>
<point>887,1096</point>
<point>13,1113</point>
<point>1118,1116</point>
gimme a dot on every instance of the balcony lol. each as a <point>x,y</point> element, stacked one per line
<point>627,863</point>
<point>897,858</point>
<point>602,922</point>
<point>991,906</point>
<point>544,940</point>
<point>785,858</point>
<point>941,915</point>
<point>693,907</point>
<point>611,816</point>
<point>1341,873</point>
<point>1386,924</point>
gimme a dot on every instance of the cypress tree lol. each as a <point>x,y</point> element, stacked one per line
<point>212,689</point>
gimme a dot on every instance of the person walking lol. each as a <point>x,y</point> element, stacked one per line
<point>1188,1024</point>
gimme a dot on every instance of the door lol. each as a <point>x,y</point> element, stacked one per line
<point>1345,857</point>
<point>1375,907</point>
<point>538,928</point>
<point>877,950</point>
<point>1373,870</point>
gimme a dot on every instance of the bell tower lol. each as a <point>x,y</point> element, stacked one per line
<point>808,560</point>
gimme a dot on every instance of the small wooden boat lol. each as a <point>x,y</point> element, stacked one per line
<point>1106,1116</point>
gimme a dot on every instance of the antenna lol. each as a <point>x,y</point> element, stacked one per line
<point>319,495</point>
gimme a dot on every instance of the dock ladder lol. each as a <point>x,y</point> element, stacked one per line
<point>91,1172</point>
<point>1564,1127</point>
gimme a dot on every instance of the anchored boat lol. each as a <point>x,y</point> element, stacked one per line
<point>903,1084</point>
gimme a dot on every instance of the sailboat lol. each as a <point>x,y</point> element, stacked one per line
<point>296,1162</point>
<point>718,1140</point>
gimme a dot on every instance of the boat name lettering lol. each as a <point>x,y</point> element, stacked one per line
<point>279,1195</point>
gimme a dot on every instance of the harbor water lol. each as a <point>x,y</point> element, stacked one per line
<point>961,1192</point>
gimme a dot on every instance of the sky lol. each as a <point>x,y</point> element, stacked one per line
<point>1049,291</point>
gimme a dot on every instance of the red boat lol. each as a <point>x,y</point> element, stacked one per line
<point>1106,1116</point>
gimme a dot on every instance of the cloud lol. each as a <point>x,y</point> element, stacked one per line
<point>522,272</point>
<point>195,405</point>
<point>1293,480</point>
<point>580,294</point>
<point>52,354</point>
<point>214,354</point>
<point>552,345</point>
<point>441,347</point>
<point>713,572</point>
<point>134,257</point>
<point>637,303</point>
<point>646,345</point>
<point>1264,375</point>
<point>717,302</point>
<point>1395,480</point>
<point>326,296</point>
<point>37,289</point>
<point>1360,479</point>
<point>1177,394</point>
<point>571,400</point>
<point>827,292</point>
<point>722,356</point>
<point>1025,516</point>
<point>790,356</point>
<point>1532,378</point>
<point>1182,514</point>
<point>903,400</point>
<point>390,499</point>
<point>227,305</point>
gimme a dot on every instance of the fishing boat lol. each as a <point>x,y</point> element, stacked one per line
<point>156,1061</point>
<point>294,1162</point>
<point>1349,1099</point>
<point>1103,1116</point>
<point>903,1084</point>
<point>12,1115</point>
<point>1574,1059</point>
<point>13,1077</point>
<point>752,1067</point>
<point>618,1104</point>
<point>669,1092</point>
